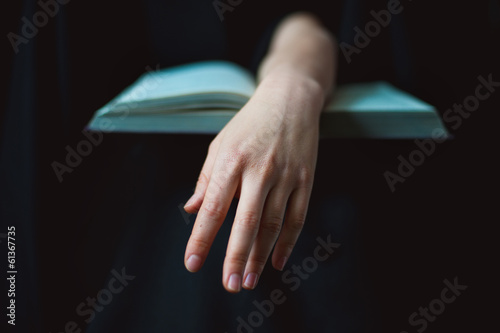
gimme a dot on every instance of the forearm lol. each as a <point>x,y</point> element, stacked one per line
<point>302,53</point>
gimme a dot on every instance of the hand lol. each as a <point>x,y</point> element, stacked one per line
<point>267,155</point>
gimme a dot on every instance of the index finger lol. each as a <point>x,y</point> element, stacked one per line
<point>219,195</point>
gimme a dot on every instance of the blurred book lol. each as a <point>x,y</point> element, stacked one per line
<point>200,98</point>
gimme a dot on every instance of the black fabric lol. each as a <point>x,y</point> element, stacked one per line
<point>73,233</point>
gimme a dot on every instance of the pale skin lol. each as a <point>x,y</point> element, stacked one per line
<point>266,155</point>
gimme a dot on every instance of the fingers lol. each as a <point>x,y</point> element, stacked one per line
<point>258,221</point>
<point>294,221</point>
<point>243,233</point>
<point>218,196</point>
<point>270,226</point>
<point>193,205</point>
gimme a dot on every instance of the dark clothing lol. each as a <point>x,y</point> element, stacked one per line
<point>119,207</point>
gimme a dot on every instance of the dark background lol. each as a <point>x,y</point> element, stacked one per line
<point>437,225</point>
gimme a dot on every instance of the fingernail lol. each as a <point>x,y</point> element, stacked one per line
<point>193,263</point>
<point>281,263</point>
<point>251,280</point>
<point>234,282</point>
<point>190,201</point>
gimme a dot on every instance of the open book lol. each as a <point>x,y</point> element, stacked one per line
<point>202,97</point>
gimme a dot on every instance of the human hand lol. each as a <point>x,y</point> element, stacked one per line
<point>266,155</point>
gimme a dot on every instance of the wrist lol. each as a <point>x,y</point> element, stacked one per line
<point>292,90</point>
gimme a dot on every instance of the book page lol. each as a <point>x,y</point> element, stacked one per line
<point>178,83</point>
<point>375,97</point>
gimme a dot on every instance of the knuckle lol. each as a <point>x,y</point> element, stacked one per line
<point>213,210</point>
<point>232,155</point>
<point>268,168</point>
<point>248,221</point>
<point>305,176</point>
<point>219,179</point>
<point>200,244</point>
<point>259,260</point>
<point>232,161</point>
<point>297,222</point>
<point>202,178</point>
<point>287,175</point>
<point>272,224</point>
<point>236,260</point>
<point>264,168</point>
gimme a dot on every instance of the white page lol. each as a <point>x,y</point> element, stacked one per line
<point>206,77</point>
<point>375,97</point>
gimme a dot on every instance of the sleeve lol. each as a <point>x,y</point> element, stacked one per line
<point>250,26</point>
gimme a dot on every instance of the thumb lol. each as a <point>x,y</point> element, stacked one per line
<point>194,203</point>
